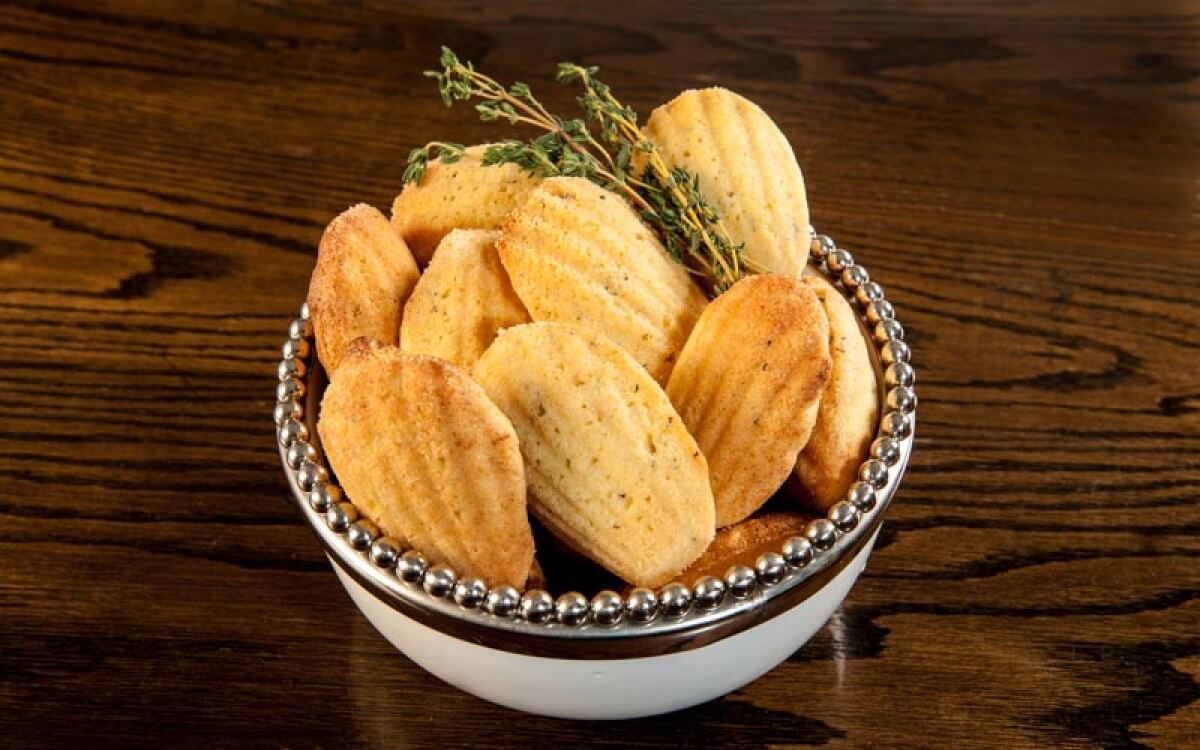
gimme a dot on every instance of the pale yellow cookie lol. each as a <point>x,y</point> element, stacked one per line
<point>611,469</point>
<point>845,424</point>
<point>743,542</point>
<point>463,195</point>
<point>577,253</point>
<point>748,384</point>
<point>419,448</point>
<point>747,171</point>
<point>364,273</point>
<point>462,300</point>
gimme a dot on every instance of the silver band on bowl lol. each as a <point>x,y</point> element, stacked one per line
<point>645,622</point>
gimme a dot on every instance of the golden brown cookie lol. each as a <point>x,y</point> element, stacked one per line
<point>419,448</point>
<point>462,301</point>
<point>743,542</point>
<point>577,253</point>
<point>463,195</point>
<point>748,384</point>
<point>611,469</point>
<point>364,273</point>
<point>828,465</point>
<point>747,171</point>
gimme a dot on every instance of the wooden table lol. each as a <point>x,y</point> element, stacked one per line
<point>1022,179</point>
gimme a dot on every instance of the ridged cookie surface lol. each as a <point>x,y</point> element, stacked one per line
<point>462,301</point>
<point>577,253</point>
<point>363,276</point>
<point>743,542</point>
<point>747,170</point>
<point>828,465</point>
<point>611,469</point>
<point>420,449</point>
<point>463,195</point>
<point>748,384</point>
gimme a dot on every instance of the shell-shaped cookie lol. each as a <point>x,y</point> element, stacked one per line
<point>363,276</point>
<point>462,300</point>
<point>420,449</point>
<point>748,384</point>
<point>747,170</point>
<point>611,469</point>
<point>462,195</point>
<point>743,542</point>
<point>577,253</point>
<point>828,465</point>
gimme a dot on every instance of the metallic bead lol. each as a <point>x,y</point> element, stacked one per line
<point>311,474</point>
<point>862,496</point>
<point>839,260</point>
<point>299,452</point>
<point>304,310</point>
<point>740,580</point>
<point>854,277</point>
<point>821,532</point>
<point>361,533</point>
<point>411,566</point>
<point>903,399</point>
<point>708,592</point>
<point>886,449</point>
<point>295,348</point>
<point>675,599</point>
<point>439,581</point>
<point>812,233</point>
<point>607,608</point>
<point>900,373</point>
<point>289,390</point>
<point>285,410</point>
<point>874,472</point>
<point>821,246</point>
<point>291,431</point>
<point>571,608</point>
<point>797,551</point>
<point>868,293</point>
<point>889,330</point>
<point>770,567</point>
<point>292,368</point>
<point>897,425</point>
<point>844,515</point>
<point>324,495</point>
<point>469,593</point>
<point>879,310</point>
<point>300,328</point>
<point>502,601</point>
<point>340,516</point>
<point>384,552</point>
<point>642,605</point>
<point>536,606</point>
<point>895,351</point>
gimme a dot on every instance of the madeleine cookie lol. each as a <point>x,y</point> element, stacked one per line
<point>828,465</point>
<point>364,274</point>
<point>419,448</point>
<point>577,253</point>
<point>462,195</point>
<point>748,384</point>
<point>743,542</point>
<point>611,469</point>
<point>747,171</point>
<point>461,301</point>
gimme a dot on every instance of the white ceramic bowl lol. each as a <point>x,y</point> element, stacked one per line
<point>658,656</point>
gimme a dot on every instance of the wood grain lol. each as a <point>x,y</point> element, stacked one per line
<point>1021,177</point>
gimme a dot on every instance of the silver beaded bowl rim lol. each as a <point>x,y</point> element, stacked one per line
<point>715,608</point>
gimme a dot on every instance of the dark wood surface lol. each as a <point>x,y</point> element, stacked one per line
<point>1022,178</point>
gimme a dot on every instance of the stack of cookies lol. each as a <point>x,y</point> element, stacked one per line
<point>508,346</point>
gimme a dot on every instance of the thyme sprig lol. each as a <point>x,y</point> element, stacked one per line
<point>619,158</point>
